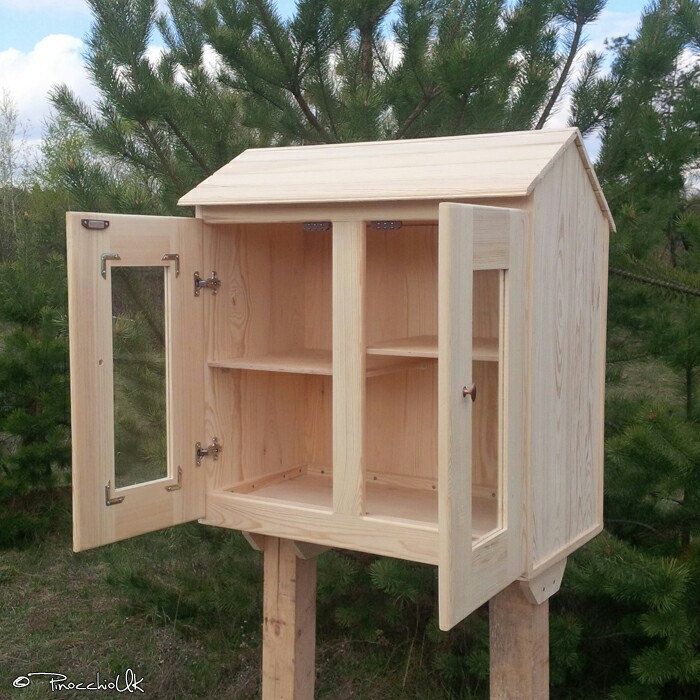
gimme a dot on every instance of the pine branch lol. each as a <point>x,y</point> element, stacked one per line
<point>188,145</point>
<point>655,282</point>
<point>573,50</point>
<point>425,101</point>
<point>164,160</point>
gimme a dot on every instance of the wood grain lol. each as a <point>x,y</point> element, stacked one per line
<point>289,623</point>
<point>139,241</point>
<point>519,643</point>
<point>349,367</point>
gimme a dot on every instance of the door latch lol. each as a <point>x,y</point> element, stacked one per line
<point>213,283</point>
<point>211,451</point>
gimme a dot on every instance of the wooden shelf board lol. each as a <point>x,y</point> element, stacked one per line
<point>417,346</point>
<point>484,349</point>
<point>302,361</point>
<point>385,498</point>
<point>306,361</point>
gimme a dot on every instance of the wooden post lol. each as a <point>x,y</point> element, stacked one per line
<point>519,644</point>
<point>289,622</point>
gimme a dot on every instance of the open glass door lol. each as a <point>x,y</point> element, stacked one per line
<point>480,349</point>
<point>137,363</point>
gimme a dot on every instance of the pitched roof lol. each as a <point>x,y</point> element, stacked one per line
<point>454,167</point>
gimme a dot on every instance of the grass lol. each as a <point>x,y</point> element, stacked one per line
<point>182,607</point>
<point>145,604</point>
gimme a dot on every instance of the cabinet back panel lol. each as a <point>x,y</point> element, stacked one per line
<point>283,422</point>
<point>402,423</point>
<point>401,282</point>
<point>318,290</point>
<point>275,291</point>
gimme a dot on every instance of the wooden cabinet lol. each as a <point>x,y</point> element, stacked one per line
<point>396,348</point>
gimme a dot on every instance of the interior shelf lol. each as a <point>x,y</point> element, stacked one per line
<point>484,349</point>
<point>308,361</point>
<point>385,497</point>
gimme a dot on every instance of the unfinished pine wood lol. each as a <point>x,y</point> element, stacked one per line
<point>314,362</point>
<point>426,346</point>
<point>402,210</point>
<point>139,241</point>
<point>289,623</point>
<point>333,361</point>
<point>349,345</point>
<point>384,536</point>
<point>566,374</point>
<point>391,497</point>
<point>519,646</point>
<point>272,316</point>
<point>544,585</point>
<point>455,301</point>
<point>444,168</point>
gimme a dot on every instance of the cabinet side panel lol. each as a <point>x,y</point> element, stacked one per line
<point>568,278</point>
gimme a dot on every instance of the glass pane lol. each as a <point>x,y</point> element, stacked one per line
<point>138,345</point>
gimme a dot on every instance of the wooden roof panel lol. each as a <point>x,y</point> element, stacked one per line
<point>455,167</point>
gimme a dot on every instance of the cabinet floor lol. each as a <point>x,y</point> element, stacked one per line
<point>390,500</point>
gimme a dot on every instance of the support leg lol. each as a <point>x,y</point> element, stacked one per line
<point>289,622</point>
<point>519,643</point>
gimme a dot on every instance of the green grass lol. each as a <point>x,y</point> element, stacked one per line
<point>148,604</point>
<point>182,607</point>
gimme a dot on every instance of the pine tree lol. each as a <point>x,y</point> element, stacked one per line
<point>166,117</point>
<point>234,74</point>
<point>638,585</point>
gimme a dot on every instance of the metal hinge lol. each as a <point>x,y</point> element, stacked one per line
<point>212,450</point>
<point>388,225</point>
<point>212,283</point>
<point>178,486</point>
<point>108,497</point>
<point>317,226</point>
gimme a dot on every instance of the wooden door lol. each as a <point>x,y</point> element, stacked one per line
<point>478,238</point>
<point>455,275</point>
<point>136,365</point>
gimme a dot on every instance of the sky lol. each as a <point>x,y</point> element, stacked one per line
<point>41,45</point>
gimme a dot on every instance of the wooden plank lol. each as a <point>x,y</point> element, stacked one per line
<point>567,362</point>
<point>519,644</point>
<point>349,358</point>
<point>139,241</point>
<point>406,210</point>
<point>318,362</point>
<point>455,263</point>
<point>484,349</point>
<point>412,169</point>
<point>416,346</point>
<point>376,535</point>
<point>289,623</point>
<point>394,497</point>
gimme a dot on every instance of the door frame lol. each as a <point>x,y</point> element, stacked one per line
<point>102,513</point>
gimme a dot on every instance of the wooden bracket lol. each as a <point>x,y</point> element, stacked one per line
<point>303,550</point>
<point>545,584</point>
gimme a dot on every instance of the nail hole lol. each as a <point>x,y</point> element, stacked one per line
<point>100,362</point>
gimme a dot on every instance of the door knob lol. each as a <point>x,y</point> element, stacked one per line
<point>469,391</point>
